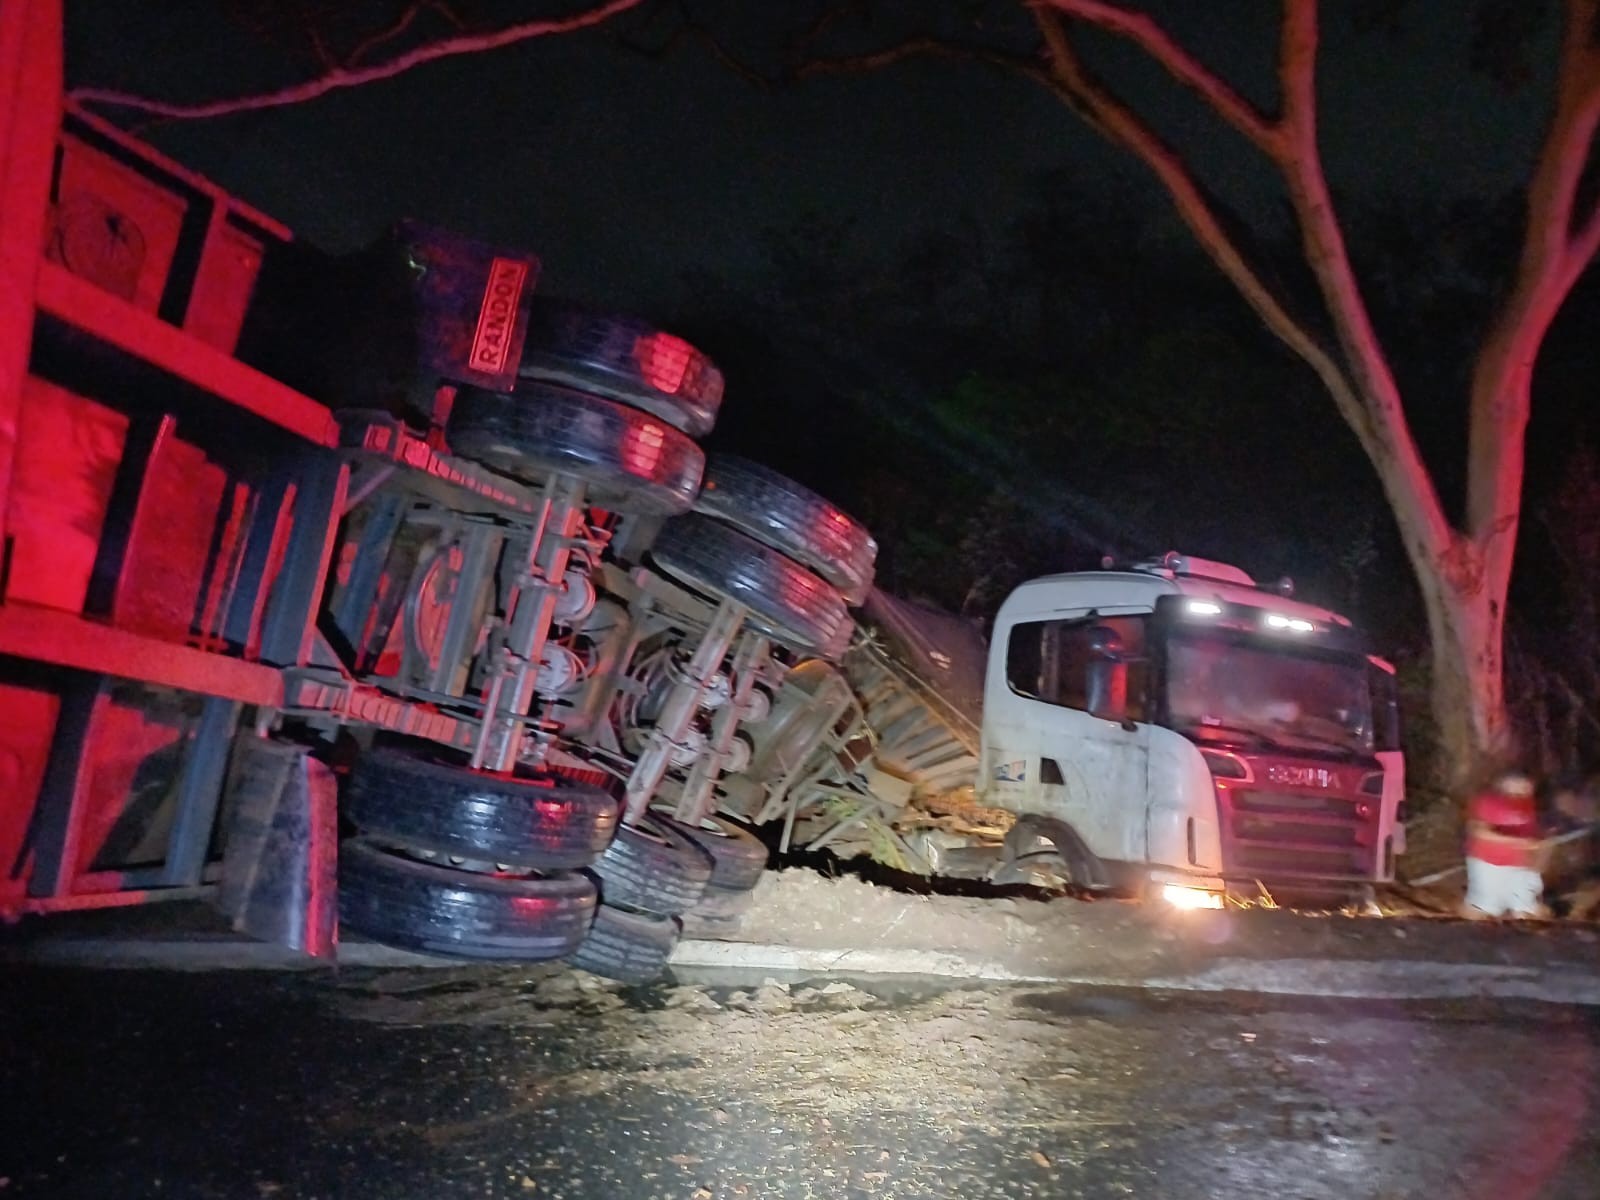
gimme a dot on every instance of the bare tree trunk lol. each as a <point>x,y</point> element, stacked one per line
<point>1463,572</point>
<point>1466,625</point>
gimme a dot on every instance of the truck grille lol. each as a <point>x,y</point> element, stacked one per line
<point>1294,803</point>
<point>1310,835</point>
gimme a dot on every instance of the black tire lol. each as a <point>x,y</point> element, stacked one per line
<point>434,910</point>
<point>738,857</point>
<point>630,461</point>
<point>785,600</point>
<point>625,359</point>
<point>539,825</point>
<point>631,947</point>
<point>789,517</point>
<point>652,867</point>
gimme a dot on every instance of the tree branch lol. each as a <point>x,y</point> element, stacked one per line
<point>1585,245</point>
<point>319,51</point>
<point>346,77</point>
<point>1553,256</point>
<point>824,21</point>
<point>1139,29</point>
<point>1118,122</point>
<point>1299,160</point>
<point>1367,398</point>
<point>926,47</point>
<point>689,27</point>
<point>406,19</point>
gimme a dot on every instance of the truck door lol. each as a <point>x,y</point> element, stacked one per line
<point>1386,748</point>
<point>1068,739</point>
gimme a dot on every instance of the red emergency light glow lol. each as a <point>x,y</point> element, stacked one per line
<point>663,360</point>
<point>642,449</point>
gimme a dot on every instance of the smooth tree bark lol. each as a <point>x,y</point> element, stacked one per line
<point>1463,567</point>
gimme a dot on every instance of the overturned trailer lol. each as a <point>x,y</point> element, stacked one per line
<point>376,590</point>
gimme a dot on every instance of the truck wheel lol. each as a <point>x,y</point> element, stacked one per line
<point>628,946</point>
<point>652,867</point>
<point>738,857</point>
<point>631,461</point>
<point>539,825</point>
<point>785,599</point>
<point>1038,849</point>
<point>626,360</point>
<point>790,517</point>
<point>433,910</point>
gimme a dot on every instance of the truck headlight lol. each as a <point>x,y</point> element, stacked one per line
<point>1181,896</point>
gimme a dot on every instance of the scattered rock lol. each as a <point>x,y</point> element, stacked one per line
<point>692,998</point>
<point>772,997</point>
<point>1041,1158</point>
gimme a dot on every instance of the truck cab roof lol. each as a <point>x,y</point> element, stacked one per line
<point>1138,590</point>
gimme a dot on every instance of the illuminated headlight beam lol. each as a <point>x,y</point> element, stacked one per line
<point>1179,896</point>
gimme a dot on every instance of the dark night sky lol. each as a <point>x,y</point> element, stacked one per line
<point>625,172</point>
<point>633,177</point>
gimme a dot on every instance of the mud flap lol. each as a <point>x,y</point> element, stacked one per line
<point>280,857</point>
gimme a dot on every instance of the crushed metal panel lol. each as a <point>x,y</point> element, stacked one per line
<point>944,651</point>
<point>280,855</point>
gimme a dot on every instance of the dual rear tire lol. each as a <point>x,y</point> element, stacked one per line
<point>613,404</point>
<point>788,555</point>
<point>462,863</point>
<point>655,879</point>
<point>454,862</point>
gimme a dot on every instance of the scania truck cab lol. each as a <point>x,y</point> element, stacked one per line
<point>1174,728</point>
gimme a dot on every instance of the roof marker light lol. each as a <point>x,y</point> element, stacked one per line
<point>1204,608</point>
<point>1293,624</point>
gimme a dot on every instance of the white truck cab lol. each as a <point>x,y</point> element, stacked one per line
<point>1174,726</point>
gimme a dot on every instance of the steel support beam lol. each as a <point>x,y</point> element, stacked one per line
<point>205,767</point>
<point>61,639</point>
<point>677,714</point>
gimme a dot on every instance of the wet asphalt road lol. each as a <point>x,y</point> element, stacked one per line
<point>426,1085</point>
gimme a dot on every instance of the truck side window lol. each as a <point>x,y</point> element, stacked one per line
<point>1385,709</point>
<point>1049,660</point>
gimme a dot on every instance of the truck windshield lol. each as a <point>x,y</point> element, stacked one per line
<point>1222,688</point>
